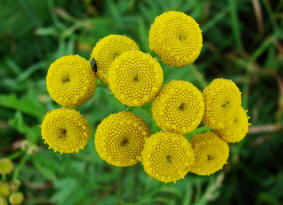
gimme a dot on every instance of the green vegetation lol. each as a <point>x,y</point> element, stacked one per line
<point>242,41</point>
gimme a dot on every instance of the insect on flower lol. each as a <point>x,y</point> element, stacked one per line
<point>94,65</point>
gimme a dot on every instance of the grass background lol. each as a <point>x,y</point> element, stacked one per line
<point>242,42</point>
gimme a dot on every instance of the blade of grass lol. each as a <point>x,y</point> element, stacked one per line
<point>217,18</point>
<point>235,24</point>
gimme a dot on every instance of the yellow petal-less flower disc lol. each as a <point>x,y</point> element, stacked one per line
<point>167,156</point>
<point>135,78</point>
<point>6,166</point>
<point>119,138</point>
<point>4,189</point>
<point>176,38</point>
<point>238,128</point>
<point>178,107</point>
<point>65,130</point>
<point>109,48</point>
<point>70,81</point>
<point>3,201</point>
<point>16,198</point>
<point>222,99</point>
<point>211,153</point>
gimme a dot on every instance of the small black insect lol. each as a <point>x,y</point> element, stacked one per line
<point>94,65</point>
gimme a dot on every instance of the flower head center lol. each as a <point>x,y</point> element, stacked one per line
<point>209,157</point>
<point>66,79</point>
<point>169,159</point>
<point>62,133</point>
<point>136,78</point>
<point>124,142</point>
<point>182,107</point>
<point>182,37</point>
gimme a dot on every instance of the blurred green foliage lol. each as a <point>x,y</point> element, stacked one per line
<point>242,42</point>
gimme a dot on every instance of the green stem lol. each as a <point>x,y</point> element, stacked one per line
<point>135,185</point>
<point>198,130</point>
<point>16,154</point>
<point>21,165</point>
<point>199,77</point>
<point>3,177</point>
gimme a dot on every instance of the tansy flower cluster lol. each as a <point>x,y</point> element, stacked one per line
<point>136,78</point>
<point>9,189</point>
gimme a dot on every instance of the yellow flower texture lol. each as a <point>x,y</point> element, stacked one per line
<point>167,156</point>
<point>119,138</point>
<point>176,38</point>
<point>109,48</point>
<point>222,99</point>
<point>70,81</point>
<point>65,130</point>
<point>211,153</point>
<point>179,107</point>
<point>135,78</point>
<point>236,131</point>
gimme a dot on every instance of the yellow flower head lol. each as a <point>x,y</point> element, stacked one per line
<point>135,78</point>
<point>109,48</point>
<point>119,138</point>
<point>179,107</point>
<point>65,130</point>
<point>4,189</point>
<point>70,81</point>
<point>222,99</point>
<point>211,153</point>
<point>167,156</point>
<point>176,38</point>
<point>6,166</point>
<point>237,129</point>
<point>3,201</point>
<point>16,198</point>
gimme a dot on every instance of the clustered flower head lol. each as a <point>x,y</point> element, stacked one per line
<point>136,78</point>
<point>167,156</point>
<point>70,81</point>
<point>107,50</point>
<point>211,153</point>
<point>9,189</point>
<point>176,38</point>
<point>179,107</point>
<point>65,130</point>
<point>120,137</point>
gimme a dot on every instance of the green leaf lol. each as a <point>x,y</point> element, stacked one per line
<point>28,104</point>
<point>32,133</point>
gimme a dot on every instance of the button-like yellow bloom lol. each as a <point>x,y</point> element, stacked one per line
<point>119,138</point>
<point>211,153</point>
<point>176,38</point>
<point>6,166</point>
<point>4,189</point>
<point>16,198</point>
<point>3,201</point>
<point>237,129</point>
<point>70,81</point>
<point>135,78</point>
<point>179,107</point>
<point>222,99</point>
<point>167,156</point>
<point>109,48</point>
<point>65,130</point>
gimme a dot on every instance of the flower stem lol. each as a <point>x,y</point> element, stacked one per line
<point>19,168</point>
<point>16,154</point>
